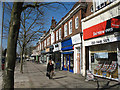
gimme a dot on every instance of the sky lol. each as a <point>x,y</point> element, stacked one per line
<point>56,13</point>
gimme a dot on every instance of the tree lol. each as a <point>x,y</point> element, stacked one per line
<point>31,29</point>
<point>17,9</point>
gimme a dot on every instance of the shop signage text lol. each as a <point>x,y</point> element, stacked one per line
<point>76,39</point>
<point>100,41</point>
<point>111,25</point>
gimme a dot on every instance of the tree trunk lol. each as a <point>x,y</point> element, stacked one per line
<point>8,77</point>
<point>21,66</point>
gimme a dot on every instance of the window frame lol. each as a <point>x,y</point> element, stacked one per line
<point>59,33</point>
<point>70,27</point>
<point>65,30</point>
<point>76,22</point>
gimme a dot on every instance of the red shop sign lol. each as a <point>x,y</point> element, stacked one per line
<point>103,28</point>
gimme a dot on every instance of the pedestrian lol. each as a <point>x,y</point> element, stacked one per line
<point>50,69</point>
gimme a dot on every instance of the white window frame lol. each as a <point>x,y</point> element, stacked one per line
<point>60,33</point>
<point>42,45</point>
<point>65,30</point>
<point>45,43</point>
<point>48,41</point>
<point>70,27</point>
<point>57,35</point>
<point>76,22</point>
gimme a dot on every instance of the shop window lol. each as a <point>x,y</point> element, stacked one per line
<point>71,61</point>
<point>104,60</point>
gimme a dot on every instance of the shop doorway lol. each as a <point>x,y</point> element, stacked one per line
<point>68,62</point>
<point>78,61</point>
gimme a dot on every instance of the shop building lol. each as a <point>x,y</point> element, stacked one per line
<point>101,42</point>
<point>67,55</point>
<point>57,55</point>
<point>77,46</point>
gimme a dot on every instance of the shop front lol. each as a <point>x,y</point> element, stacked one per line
<point>67,55</point>
<point>76,42</point>
<point>101,47</point>
<point>57,55</point>
<point>43,56</point>
<point>49,52</point>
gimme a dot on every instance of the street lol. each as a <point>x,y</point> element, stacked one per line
<point>34,76</point>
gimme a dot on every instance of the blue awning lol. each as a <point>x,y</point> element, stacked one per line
<point>67,52</point>
<point>67,45</point>
<point>67,48</point>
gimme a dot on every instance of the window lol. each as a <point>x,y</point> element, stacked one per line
<point>70,26</point>
<point>76,22</point>
<point>91,9</point>
<point>48,40</point>
<point>60,33</point>
<point>42,45</point>
<point>102,3</point>
<point>65,30</point>
<point>52,37</point>
<point>45,43</point>
<point>57,35</point>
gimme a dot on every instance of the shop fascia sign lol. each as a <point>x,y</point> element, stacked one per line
<point>76,39</point>
<point>102,40</point>
<point>47,49</point>
<point>57,47</point>
<point>111,25</point>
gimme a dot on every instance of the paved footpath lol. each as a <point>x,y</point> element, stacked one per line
<point>34,77</point>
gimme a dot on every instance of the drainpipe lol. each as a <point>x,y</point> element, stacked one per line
<point>94,5</point>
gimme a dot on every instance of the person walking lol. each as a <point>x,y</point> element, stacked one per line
<point>50,69</point>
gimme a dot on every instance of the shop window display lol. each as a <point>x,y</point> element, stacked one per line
<point>68,62</point>
<point>71,61</point>
<point>104,60</point>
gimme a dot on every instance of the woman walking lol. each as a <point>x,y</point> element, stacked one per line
<point>50,69</point>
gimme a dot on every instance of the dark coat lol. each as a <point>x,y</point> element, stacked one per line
<point>50,67</point>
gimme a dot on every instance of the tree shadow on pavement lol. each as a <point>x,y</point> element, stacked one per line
<point>60,77</point>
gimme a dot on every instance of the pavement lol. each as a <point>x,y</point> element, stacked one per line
<point>34,76</point>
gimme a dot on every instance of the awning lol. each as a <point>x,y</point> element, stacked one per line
<point>67,48</point>
<point>67,52</point>
<point>67,45</point>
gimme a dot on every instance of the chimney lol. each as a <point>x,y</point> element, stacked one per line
<point>53,23</point>
<point>44,32</point>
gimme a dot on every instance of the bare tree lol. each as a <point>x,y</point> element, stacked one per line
<point>31,29</point>
<point>17,9</point>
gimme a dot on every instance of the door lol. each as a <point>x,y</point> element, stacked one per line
<point>71,62</point>
<point>78,60</point>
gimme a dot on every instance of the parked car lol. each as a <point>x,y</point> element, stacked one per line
<point>27,59</point>
<point>3,63</point>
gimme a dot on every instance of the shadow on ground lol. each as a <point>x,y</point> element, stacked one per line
<point>60,77</point>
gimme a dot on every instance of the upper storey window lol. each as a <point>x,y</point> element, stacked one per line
<point>65,30</point>
<point>76,22</point>
<point>102,3</point>
<point>70,26</point>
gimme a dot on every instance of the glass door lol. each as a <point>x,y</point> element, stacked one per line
<point>71,62</point>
